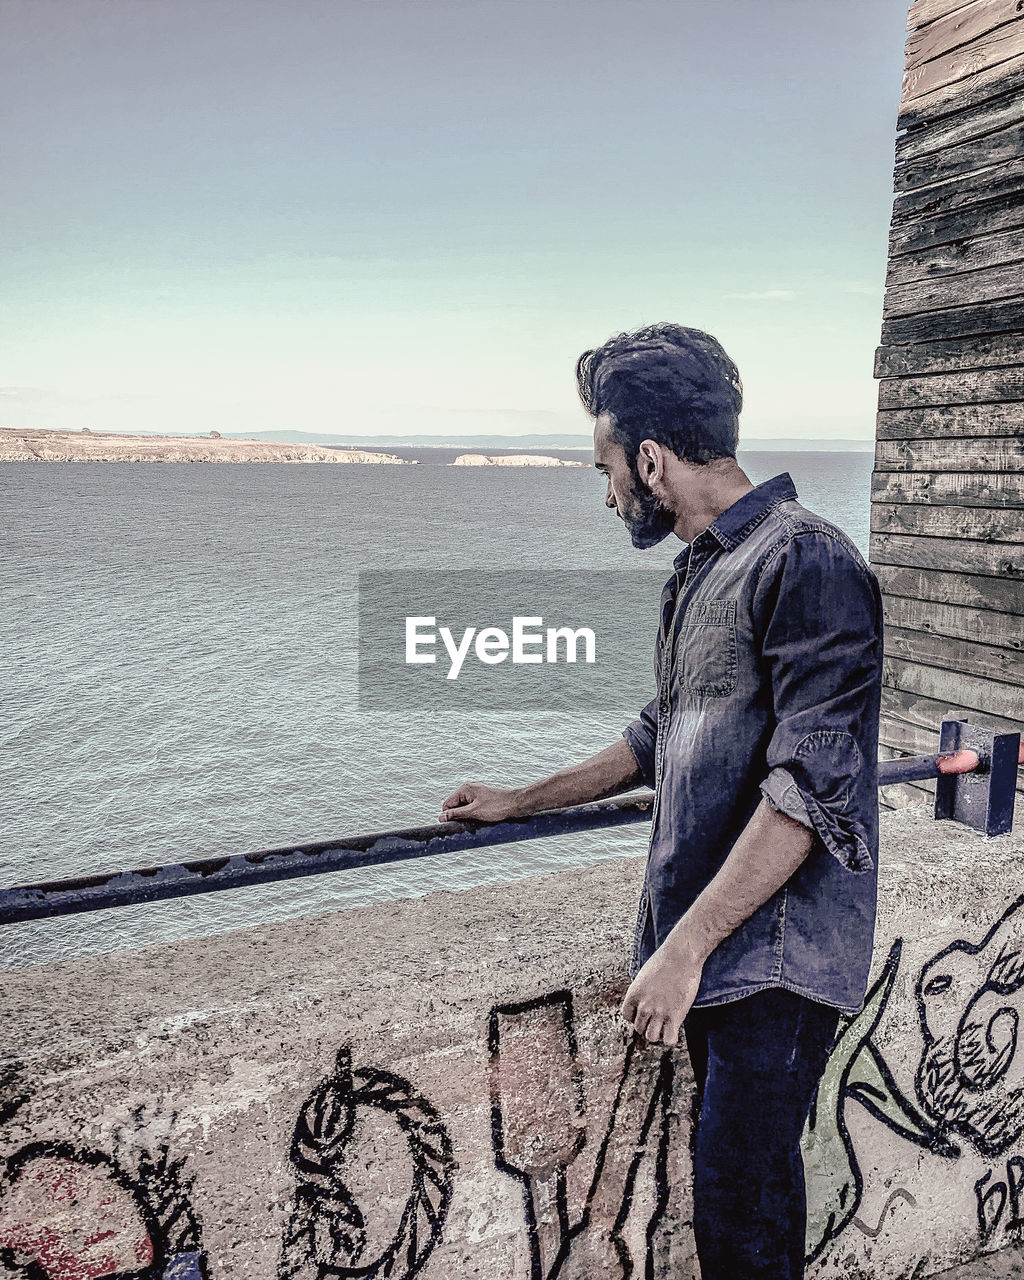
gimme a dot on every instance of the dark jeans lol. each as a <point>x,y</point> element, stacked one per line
<point>757,1062</point>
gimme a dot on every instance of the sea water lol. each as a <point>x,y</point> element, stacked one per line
<point>179,672</point>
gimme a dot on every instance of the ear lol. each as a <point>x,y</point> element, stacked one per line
<point>650,462</point>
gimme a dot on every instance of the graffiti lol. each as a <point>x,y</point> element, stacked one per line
<point>969,1084</point>
<point>72,1213</point>
<point>538,1131</point>
<point>994,1199</point>
<point>856,1071</point>
<point>361,1133</point>
<point>537,1110</point>
<point>970,1000</point>
<point>12,1096</point>
<point>900,1194</point>
<point>598,1164</point>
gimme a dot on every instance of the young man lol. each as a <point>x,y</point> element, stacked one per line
<point>758,906</point>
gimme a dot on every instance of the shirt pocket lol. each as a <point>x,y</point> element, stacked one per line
<point>706,659</point>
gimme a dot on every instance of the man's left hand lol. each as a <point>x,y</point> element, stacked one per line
<point>660,995</point>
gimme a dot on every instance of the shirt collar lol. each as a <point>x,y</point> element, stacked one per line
<point>737,521</point>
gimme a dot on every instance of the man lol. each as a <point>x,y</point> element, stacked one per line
<point>757,911</point>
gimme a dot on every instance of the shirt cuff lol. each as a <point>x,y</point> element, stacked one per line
<point>782,793</point>
<point>639,742</point>
<point>816,789</point>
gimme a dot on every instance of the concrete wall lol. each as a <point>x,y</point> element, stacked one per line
<point>441,1087</point>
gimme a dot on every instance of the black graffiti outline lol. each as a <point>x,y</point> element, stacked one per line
<point>1009,1193</point>
<point>658,1105</point>
<point>322,1198</point>
<point>657,1108</point>
<point>13,1095</point>
<point>964,1126</point>
<point>901,1193</point>
<point>873,1100</point>
<point>159,1187</point>
<point>555,999</point>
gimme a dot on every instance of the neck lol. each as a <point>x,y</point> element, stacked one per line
<point>708,492</point>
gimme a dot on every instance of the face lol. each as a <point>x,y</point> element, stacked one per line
<point>74,1220</point>
<point>646,517</point>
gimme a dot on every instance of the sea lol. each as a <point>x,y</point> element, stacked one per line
<point>180,672</point>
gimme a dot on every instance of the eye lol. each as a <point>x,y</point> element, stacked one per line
<point>942,982</point>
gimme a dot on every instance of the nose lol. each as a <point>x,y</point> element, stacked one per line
<point>609,497</point>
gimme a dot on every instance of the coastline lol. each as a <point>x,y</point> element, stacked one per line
<point>21,444</point>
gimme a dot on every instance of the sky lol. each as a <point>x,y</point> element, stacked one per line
<point>412,215</point>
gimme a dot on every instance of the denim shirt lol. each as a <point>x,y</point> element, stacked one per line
<point>768,668</point>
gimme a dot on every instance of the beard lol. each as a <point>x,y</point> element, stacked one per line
<point>649,521</point>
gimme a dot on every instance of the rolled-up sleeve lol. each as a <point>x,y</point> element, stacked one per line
<point>820,610</point>
<point>641,737</point>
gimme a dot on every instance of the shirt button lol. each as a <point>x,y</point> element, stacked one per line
<point>663,708</point>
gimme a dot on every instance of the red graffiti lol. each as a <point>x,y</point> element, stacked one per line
<point>74,1220</point>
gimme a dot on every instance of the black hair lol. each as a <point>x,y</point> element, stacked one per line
<point>665,383</point>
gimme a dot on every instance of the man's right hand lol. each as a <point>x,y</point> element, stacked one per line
<point>610,772</point>
<point>481,803</point>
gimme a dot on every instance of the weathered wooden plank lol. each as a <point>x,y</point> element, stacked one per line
<point>900,738</point>
<point>891,736</point>
<point>987,285</point>
<point>969,253</point>
<point>986,661</point>
<point>962,489</point>
<point>1003,595</point>
<point>991,453</point>
<point>989,351</point>
<point>993,82</point>
<point>1002,214</point>
<point>972,692</point>
<point>968,67</point>
<point>1002,560</point>
<point>969,420</point>
<point>954,30</point>
<point>950,131</point>
<point>957,554</point>
<point>963,158</point>
<point>956,621</point>
<point>960,194</point>
<point>981,625</point>
<point>975,524</point>
<point>922,12</point>
<point>958,322</point>
<point>968,386</point>
<point>928,713</point>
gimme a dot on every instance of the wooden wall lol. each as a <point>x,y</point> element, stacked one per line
<point>947,509</point>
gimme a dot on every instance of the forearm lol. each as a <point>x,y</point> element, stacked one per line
<point>768,851</point>
<point>608,773</point>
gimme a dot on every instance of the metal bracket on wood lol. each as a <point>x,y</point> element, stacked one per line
<point>983,798</point>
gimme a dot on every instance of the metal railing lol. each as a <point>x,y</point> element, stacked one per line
<point>976,771</point>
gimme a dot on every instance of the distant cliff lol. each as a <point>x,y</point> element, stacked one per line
<point>27,445</point>
<point>510,460</point>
